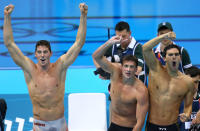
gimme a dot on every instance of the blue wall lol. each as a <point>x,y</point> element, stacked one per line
<point>57,21</point>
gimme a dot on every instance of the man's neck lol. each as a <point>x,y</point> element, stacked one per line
<point>44,68</point>
<point>128,81</point>
<point>172,73</point>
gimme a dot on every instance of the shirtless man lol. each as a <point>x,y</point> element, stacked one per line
<point>194,73</point>
<point>45,80</point>
<point>168,87</point>
<point>129,95</point>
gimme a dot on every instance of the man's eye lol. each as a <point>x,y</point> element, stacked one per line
<point>125,65</point>
<point>177,54</point>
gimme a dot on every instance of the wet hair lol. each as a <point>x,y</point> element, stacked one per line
<point>122,26</point>
<point>193,71</point>
<point>43,43</point>
<point>171,46</point>
<point>130,58</point>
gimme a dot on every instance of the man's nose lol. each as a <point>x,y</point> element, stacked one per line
<point>128,68</point>
<point>173,56</point>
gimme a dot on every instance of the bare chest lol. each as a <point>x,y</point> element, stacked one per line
<point>123,94</point>
<point>47,83</point>
<point>172,88</point>
<point>123,101</point>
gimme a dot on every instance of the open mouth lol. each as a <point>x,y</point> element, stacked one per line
<point>174,64</point>
<point>42,60</point>
<point>128,73</point>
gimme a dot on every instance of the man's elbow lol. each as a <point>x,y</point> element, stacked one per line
<point>93,55</point>
<point>144,48</point>
<point>96,58</point>
<point>7,43</point>
<point>7,40</point>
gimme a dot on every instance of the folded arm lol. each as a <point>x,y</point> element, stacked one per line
<point>98,55</point>
<point>149,56</point>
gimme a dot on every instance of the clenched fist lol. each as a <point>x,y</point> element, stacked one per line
<point>8,9</point>
<point>169,35</point>
<point>83,8</point>
<point>115,40</point>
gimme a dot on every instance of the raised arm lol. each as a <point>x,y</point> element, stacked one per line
<point>149,56</point>
<point>68,58</point>
<point>103,74</point>
<point>141,109</point>
<point>14,51</point>
<point>98,55</point>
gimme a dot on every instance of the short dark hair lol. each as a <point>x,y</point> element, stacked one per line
<point>121,26</point>
<point>170,47</point>
<point>193,71</point>
<point>130,58</point>
<point>43,43</point>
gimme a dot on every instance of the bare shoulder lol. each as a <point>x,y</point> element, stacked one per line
<point>117,66</point>
<point>116,75</point>
<point>187,79</point>
<point>160,69</point>
<point>58,64</point>
<point>141,88</point>
<point>142,94</point>
<point>29,67</point>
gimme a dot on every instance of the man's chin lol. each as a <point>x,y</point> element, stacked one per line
<point>128,77</point>
<point>43,64</point>
<point>174,68</point>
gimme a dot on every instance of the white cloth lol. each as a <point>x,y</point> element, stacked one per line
<point>56,125</point>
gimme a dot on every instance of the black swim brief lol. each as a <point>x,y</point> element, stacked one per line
<point>114,127</point>
<point>154,127</point>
